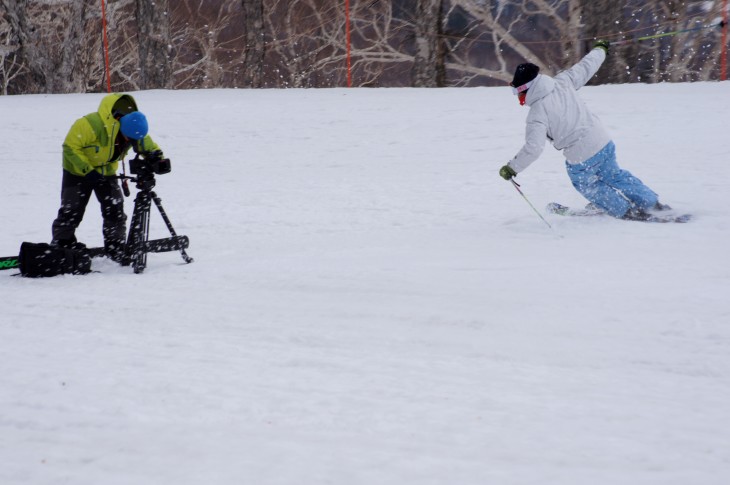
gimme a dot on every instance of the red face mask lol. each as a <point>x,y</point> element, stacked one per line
<point>521,91</point>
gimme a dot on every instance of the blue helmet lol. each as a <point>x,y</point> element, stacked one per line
<point>134,125</point>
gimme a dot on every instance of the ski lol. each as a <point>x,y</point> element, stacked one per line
<point>9,262</point>
<point>564,210</point>
<point>679,219</point>
<point>589,211</point>
<point>174,243</point>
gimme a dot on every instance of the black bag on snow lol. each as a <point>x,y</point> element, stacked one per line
<point>41,259</point>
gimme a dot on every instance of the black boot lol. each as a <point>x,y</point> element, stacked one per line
<point>661,207</point>
<point>64,243</point>
<point>636,214</point>
<point>114,250</point>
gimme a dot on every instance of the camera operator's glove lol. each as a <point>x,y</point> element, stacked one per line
<point>153,156</point>
<point>94,177</point>
<point>602,44</point>
<point>507,172</point>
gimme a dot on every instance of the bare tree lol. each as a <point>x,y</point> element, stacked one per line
<point>123,48</point>
<point>562,20</point>
<point>688,51</point>
<point>64,79</point>
<point>10,66</point>
<point>689,57</point>
<point>48,42</point>
<point>428,62</point>
<point>604,20</point>
<point>486,44</point>
<point>207,44</point>
<point>252,73</point>
<point>383,47</point>
<point>308,43</point>
<point>54,39</point>
<point>55,45</point>
<point>17,15</point>
<point>155,63</point>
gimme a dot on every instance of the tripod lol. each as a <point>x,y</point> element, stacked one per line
<point>138,243</point>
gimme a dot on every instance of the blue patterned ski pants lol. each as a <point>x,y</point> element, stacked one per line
<point>600,180</point>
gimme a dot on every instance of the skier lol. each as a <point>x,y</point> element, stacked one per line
<point>558,114</point>
<point>91,152</point>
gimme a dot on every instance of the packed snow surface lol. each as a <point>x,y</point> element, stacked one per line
<point>370,303</point>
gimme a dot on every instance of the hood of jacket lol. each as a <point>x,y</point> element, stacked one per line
<point>111,105</point>
<point>541,87</point>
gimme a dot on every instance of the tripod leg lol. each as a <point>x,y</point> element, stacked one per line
<point>140,262</point>
<point>158,203</point>
<point>138,232</point>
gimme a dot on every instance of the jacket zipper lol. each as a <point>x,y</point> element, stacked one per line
<point>111,149</point>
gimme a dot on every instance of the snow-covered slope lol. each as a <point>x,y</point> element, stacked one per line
<point>370,303</point>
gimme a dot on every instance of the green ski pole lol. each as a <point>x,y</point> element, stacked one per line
<point>517,186</point>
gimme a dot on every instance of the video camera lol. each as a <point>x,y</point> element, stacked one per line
<point>146,164</point>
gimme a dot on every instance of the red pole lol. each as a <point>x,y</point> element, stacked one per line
<point>347,35</point>
<point>106,48</point>
<point>723,54</point>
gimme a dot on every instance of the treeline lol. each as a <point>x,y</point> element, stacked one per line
<point>57,46</point>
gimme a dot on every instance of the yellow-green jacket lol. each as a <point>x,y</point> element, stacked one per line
<point>89,144</point>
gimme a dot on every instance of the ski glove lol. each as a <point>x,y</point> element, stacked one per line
<point>507,172</point>
<point>602,44</point>
<point>94,177</point>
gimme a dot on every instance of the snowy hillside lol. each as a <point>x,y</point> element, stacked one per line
<point>370,303</point>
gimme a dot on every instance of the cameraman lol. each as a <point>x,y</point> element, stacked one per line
<point>91,152</point>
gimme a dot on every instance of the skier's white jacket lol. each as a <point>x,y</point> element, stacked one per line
<point>558,114</point>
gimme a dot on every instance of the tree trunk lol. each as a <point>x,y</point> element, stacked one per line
<point>155,63</point>
<point>428,64</point>
<point>573,47</point>
<point>600,17</point>
<point>253,56</point>
<point>28,53</point>
<point>63,80</point>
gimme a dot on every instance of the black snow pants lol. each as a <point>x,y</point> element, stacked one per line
<point>75,194</point>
